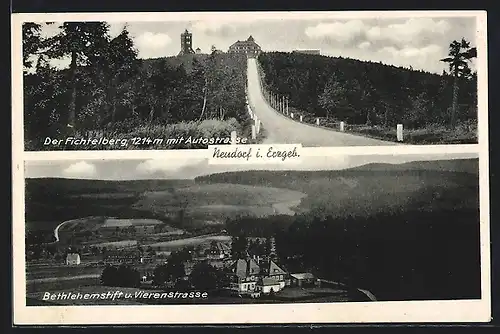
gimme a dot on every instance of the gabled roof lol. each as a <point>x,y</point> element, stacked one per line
<point>253,267</point>
<point>274,269</point>
<point>244,268</point>
<point>249,42</point>
<point>240,268</point>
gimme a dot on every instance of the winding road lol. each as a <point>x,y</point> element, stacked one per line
<point>282,130</point>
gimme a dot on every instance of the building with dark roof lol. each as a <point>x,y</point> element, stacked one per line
<point>249,276</point>
<point>248,47</point>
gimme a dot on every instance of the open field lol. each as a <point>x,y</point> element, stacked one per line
<point>195,241</point>
<point>114,222</point>
<point>116,244</point>
<point>219,200</point>
<point>62,284</point>
<point>217,194</point>
<point>58,271</point>
<point>108,195</point>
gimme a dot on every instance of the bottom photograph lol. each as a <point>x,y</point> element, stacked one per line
<point>332,229</point>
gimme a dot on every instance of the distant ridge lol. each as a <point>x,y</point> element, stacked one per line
<point>457,165</point>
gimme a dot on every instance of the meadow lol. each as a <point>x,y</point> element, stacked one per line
<point>114,222</point>
<point>196,241</point>
<point>217,201</point>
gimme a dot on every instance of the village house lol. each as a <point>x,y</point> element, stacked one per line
<point>302,279</point>
<point>73,259</point>
<point>254,276</point>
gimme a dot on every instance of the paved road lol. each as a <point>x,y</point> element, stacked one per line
<point>282,130</point>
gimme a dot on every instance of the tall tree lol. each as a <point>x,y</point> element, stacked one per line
<point>206,277</point>
<point>333,97</point>
<point>32,42</point>
<point>459,54</point>
<point>84,43</point>
<point>117,64</point>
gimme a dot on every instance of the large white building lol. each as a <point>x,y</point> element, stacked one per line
<point>248,47</point>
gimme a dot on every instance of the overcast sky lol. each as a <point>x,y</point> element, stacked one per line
<point>418,42</point>
<point>188,168</point>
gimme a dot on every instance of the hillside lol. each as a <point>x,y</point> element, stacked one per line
<point>359,191</point>
<point>58,199</point>
<point>363,92</point>
<point>374,188</point>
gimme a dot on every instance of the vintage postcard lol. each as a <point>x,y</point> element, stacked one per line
<point>250,168</point>
<point>189,80</point>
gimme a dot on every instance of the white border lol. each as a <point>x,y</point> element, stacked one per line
<point>411,311</point>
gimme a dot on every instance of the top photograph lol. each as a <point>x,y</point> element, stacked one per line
<point>157,81</point>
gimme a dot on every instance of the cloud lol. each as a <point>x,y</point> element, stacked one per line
<point>418,57</point>
<point>410,32</point>
<point>167,166</point>
<point>339,31</point>
<point>364,45</point>
<point>80,169</point>
<point>222,28</point>
<point>414,32</point>
<point>152,44</point>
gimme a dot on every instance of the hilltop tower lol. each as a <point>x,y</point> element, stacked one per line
<point>186,43</point>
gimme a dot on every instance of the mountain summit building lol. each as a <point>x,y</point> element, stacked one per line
<point>248,47</point>
<point>186,43</point>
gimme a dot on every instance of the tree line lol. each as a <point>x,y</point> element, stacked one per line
<point>363,92</point>
<point>107,86</point>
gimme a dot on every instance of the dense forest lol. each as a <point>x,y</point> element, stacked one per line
<point>369,93</point>
<point>108,90</point>
<point>413,255</point>
<point>410,255</point>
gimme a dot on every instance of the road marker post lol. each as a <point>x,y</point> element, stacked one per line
<point>342,126</point>
<point>399,132</point>
<point>291,115</point>
<point>301,118</point>
<point>254,135</point>
<point>317,121</point>
<point>233,137</point>
<point>287,105</point>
